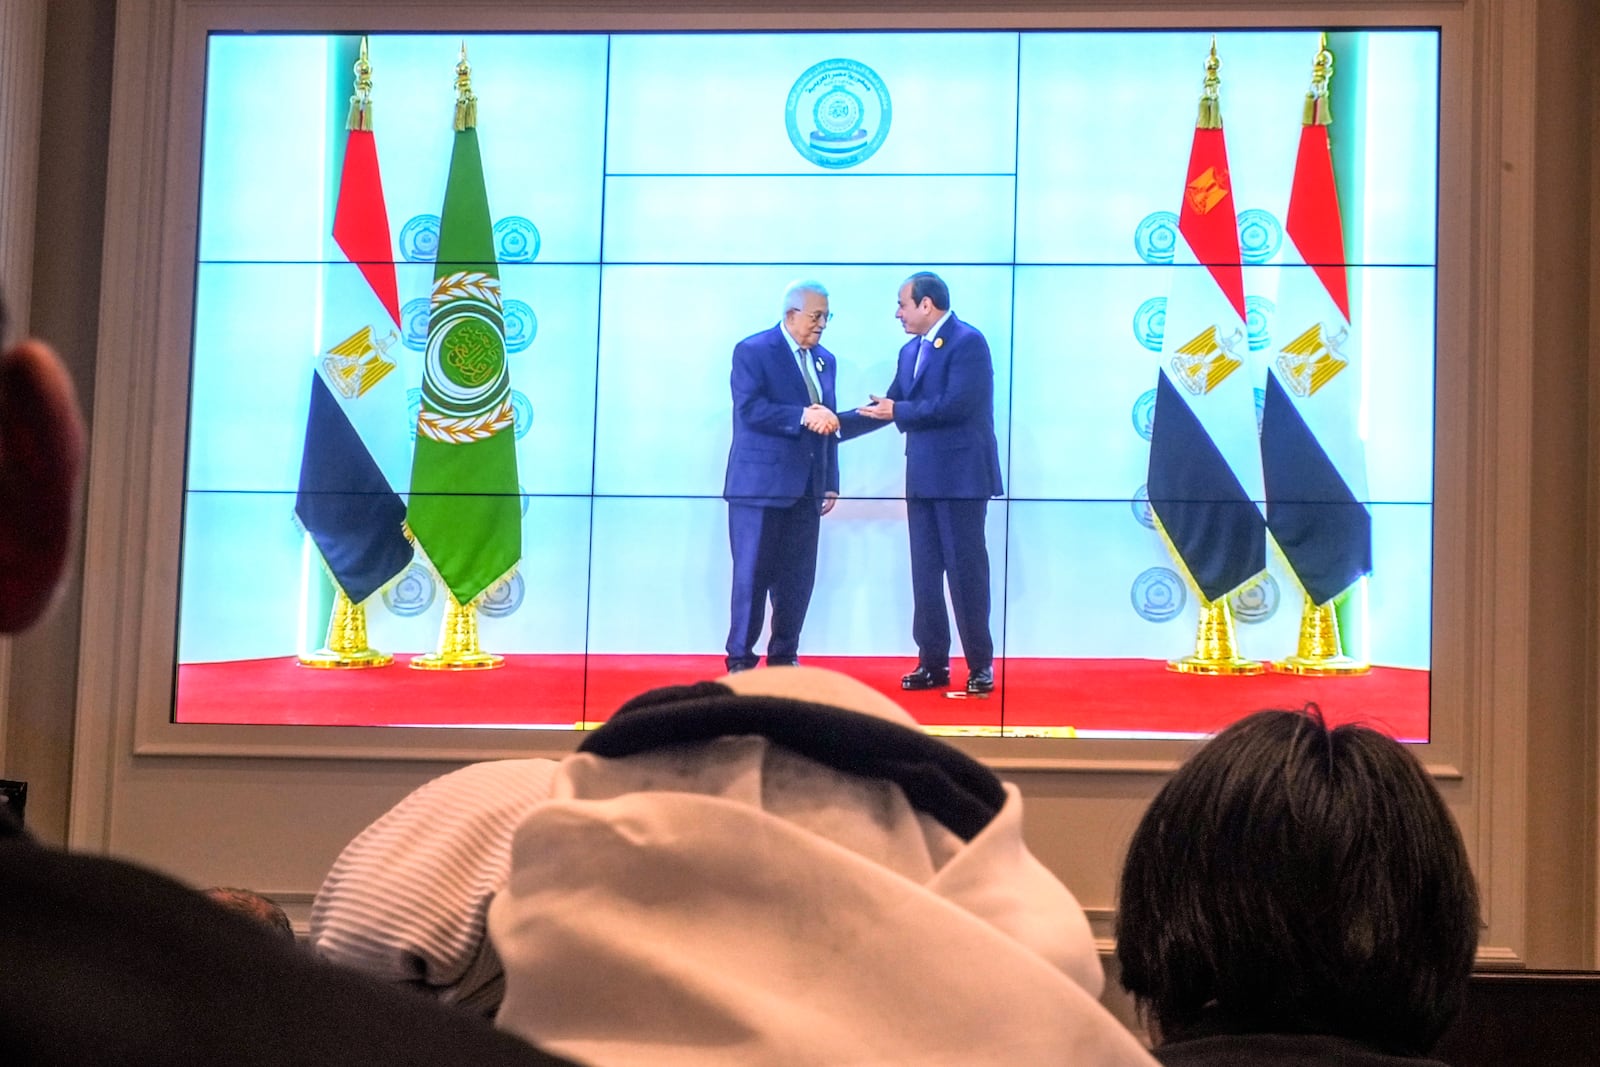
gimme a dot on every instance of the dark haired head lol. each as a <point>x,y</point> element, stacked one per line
<point>1296,879</point>
<point>926,283</point>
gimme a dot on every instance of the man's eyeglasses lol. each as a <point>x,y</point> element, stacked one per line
<point>816,318</point>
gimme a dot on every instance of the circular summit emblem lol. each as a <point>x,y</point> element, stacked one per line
<point>419,239</point>
<point>503,599</point>
<point>414,319</point>
<point>1158,595</point>
<point>1256,602</point>
<point>413,594</point>
<point>838,113</point>
<point>1150,323</point>
<point>1144,414</point>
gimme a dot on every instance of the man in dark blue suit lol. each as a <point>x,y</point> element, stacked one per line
<point>942,399</point>
<point>783,474</point>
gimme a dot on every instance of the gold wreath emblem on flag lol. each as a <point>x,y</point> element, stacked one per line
<point>356,364</point>
<point>1206,361</point>
<point>463,431</point>
<point>1208,189</point>
<point>1311,360</point>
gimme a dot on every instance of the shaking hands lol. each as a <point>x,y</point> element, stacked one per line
<point>819,419</point>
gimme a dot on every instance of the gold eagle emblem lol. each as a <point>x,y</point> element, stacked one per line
<point>1205,362</point>
<point>1311,360</point>
<point>356,364</point>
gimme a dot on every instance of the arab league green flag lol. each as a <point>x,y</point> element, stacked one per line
<point>464,507</point>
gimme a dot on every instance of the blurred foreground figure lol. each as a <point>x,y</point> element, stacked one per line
<point>407,901</point>
<point>780,867</point>
<point>1297,895</point>
<point>103,962</point>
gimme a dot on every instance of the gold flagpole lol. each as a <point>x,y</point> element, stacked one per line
<point>1216,651</point>
<point>346,647</point>
<point>458,635</point>
<point>1320,649</point>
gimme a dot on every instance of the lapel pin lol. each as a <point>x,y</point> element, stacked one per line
<point>938,342</point>
<point>821,366</point>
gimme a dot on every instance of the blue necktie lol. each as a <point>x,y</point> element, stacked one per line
<point>924,346</point>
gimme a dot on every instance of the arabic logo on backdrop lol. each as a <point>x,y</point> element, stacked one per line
<point>838,113</point>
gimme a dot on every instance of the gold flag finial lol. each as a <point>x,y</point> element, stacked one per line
<point>360,117</point>
<point>1210,106</point>
<point>1318,112</point>
<point>466,103</point>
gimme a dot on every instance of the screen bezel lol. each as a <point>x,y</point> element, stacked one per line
<point>165,225</point>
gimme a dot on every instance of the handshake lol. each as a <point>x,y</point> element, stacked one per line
<point>819,419</point>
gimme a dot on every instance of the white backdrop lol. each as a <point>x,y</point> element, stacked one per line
<point>671,209</point>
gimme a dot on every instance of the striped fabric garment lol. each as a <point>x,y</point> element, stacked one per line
<point>406,900</point>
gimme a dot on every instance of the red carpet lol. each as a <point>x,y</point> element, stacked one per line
<point>1094,696</point>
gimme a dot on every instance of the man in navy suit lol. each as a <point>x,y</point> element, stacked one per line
<point>942,399</point>
<point>783,474</point>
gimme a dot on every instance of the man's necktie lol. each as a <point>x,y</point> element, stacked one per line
<point>811,380</point>
<point>923,348</point>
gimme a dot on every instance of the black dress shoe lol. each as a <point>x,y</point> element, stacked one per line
<point>923,678</point>
<point>981,681</point>
<point>782,662</point>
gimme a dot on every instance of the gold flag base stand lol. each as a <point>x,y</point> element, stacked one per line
<point>347,640</point>
<point>458,644</point>
<point>1320,652</point>
<point>1215,652</point>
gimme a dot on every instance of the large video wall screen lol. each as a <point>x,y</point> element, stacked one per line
<point>651,197</point>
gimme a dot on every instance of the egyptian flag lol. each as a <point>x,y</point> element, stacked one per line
<point>465,506</point>
<point>357,440</point>
<point>1205,459</point>
<point>1312,454</point>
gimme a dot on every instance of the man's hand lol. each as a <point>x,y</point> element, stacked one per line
<point>819,419</point>
<point>881,408</point>
<point>828,501</point>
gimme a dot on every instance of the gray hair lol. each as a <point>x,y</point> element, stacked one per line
<point>794,297</point>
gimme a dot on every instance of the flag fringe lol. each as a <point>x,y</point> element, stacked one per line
<point>1183,566</point>
<point>496,585</point>
<point>493,587</point>
<point>334,578</point>
<point>322,561</point>
<point>1294,575</point>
